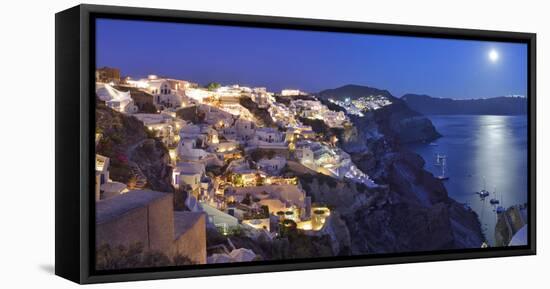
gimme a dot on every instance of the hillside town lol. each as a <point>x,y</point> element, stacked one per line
<point>235,156</point>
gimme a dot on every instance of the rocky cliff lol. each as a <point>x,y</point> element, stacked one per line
<point>137,159</point>
<point>395,121</point>
<point>410,210</point>
<point>509,223</point>
<point>411,213</point>
<point>398,122</point>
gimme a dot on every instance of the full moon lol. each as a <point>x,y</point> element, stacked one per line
<point>493,55</point>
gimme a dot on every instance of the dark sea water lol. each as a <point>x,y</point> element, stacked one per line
<point>482,151</point>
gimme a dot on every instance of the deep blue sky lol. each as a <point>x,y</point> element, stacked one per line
<point>311,61</point>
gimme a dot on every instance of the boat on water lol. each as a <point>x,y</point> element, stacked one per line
<point>483,193</point>
<point>501,209</point>
<point>495,200</point>
<point>441,160</point>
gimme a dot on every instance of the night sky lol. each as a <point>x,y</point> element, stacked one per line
<point>312,61</point>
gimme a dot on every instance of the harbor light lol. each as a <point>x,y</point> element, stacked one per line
<point>172,154</point>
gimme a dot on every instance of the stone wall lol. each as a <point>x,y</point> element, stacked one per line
<point>137,216</point>
<point>190,239</point>
<point>126,230</point>
<point>148,217</point>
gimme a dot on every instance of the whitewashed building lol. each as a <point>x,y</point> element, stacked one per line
<point>268,135</point>
<point>120,101</point>
<point>164,96</point>
<point>272,166</point>
<point>245,129</point>
<point>188,173</point>
<point>292,92</point>
<point>105,187</point>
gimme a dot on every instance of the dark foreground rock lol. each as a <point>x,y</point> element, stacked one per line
<point>411,213</point>
<point>509,223</point>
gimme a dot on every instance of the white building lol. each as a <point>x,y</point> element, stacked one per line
<point>281,115</point>
<point>117,100</point>
<point>193,141</point>
<point>164,96</point>
<point>225,146</point>
<point>314,109</point>
<point>230,94</point>
<point>261,97</point>
<point>276,197</point>
<point>105,187</point>
<point>268,135</point>
<point>101,174</point>
<point>187,150</point>
<point>245,129</point>
<point>272,166</point>
<point>299,131</point>
<point>292,92</point>
<point>188,173</point>
<point>198,94</point>
<point>217,117</point>
<point>219,219</point>
<point>162,125</point>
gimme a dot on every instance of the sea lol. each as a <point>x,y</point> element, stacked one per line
<point>482,152</point>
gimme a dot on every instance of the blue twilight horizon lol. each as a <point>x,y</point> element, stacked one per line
<point>312,61</point>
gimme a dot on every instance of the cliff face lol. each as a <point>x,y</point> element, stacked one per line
<point>509,223</point>
<point>136,159</point>
<point>399,122</point>
<point>152,158</point>
<point>411,211</point>
<point>396,121</point>
<point>418,209</point>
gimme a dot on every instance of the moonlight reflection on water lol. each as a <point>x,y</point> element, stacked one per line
<point>482,152</point>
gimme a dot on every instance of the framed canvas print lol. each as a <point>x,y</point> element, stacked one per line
<point>193,144</point>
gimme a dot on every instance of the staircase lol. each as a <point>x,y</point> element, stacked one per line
<point>135,171</point>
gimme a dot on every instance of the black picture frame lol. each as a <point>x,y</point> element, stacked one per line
<point>74,153</point>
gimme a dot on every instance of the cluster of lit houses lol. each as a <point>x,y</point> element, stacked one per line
<point>314,109</point>
<point>254,193</point>
<point>362,104</point>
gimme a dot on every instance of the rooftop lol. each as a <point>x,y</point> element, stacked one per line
<point>106,92</point>
<point>100,162</point>
<point>113,187</point>
<point>267,130</point>
<point>112,208</point>
<point>190,168</point>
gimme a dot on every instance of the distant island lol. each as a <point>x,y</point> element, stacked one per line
<point>503,105</point>
<point>352,91</point>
